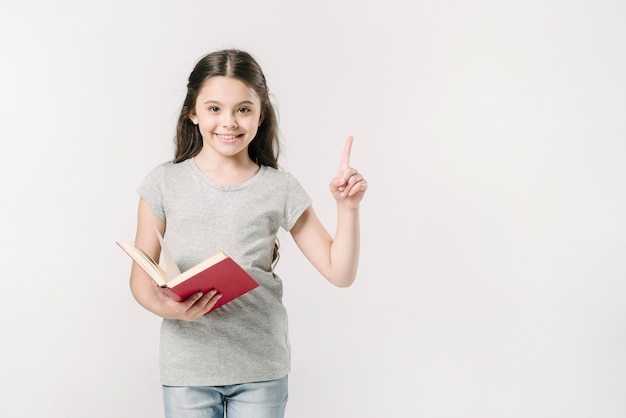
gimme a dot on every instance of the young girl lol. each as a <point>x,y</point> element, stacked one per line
<point>224,191</point>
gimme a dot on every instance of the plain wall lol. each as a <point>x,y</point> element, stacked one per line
<point>492,135</point>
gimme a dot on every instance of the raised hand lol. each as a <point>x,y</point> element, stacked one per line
<point>349,186</point>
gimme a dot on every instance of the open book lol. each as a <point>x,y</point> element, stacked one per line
<point>219,272</point>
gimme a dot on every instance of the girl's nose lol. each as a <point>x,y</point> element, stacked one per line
<point>229,121</point>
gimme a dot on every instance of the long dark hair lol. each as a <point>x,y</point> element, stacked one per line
<point>265,147</point>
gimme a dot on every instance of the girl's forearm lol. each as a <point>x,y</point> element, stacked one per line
<point>345,247</point>
<point>142,288</point>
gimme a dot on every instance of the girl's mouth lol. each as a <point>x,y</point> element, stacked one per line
<point>227,138</point>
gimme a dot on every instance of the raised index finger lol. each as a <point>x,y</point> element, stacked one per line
<point>345,156</point>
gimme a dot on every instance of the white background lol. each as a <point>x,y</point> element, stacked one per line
<point>492,134</point>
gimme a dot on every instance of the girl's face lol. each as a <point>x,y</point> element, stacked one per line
<point>228,114</point>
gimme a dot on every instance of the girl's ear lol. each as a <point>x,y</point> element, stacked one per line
<point>261,118</point>
<point>193,117</point>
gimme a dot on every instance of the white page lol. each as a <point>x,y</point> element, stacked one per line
<point>167,260</point>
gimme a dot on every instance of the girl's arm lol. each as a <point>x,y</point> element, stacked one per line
<point>146,291</point>
<point>335,258</point>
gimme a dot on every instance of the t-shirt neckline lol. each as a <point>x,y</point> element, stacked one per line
<point>222,187</point>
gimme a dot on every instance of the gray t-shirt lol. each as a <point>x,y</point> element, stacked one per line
<point>247,339</point>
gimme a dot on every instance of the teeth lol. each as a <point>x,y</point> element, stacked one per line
<point>227,136</point>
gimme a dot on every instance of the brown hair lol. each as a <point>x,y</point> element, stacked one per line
<point>265,147</point>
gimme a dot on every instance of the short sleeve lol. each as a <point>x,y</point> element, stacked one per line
<point>151,190</point>
<point>296,202</point>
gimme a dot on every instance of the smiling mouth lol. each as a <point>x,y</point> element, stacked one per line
<point>227,138</point>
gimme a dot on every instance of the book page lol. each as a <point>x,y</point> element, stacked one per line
<point>167,260</point>
<point>145,262</point>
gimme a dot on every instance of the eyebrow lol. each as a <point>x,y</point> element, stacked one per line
<point>246,102</point>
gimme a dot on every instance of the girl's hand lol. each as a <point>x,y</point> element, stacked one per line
<point>190,309</point>
<point>349,186</point>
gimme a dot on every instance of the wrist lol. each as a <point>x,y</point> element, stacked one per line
<point>347,206</point>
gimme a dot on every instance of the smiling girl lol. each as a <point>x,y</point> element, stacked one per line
<point>225,191</point>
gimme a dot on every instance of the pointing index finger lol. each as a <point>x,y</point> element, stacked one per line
<point>345,156</point>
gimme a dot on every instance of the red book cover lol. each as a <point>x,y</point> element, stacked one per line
<point>219,272</point>
<point>227,277</point>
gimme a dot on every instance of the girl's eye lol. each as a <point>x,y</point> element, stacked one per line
<point>213,109</point>
<point>243,110</point>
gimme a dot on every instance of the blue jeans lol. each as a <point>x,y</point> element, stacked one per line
<point>246,400</point>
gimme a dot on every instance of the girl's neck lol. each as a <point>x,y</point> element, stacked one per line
<point>226,171</point>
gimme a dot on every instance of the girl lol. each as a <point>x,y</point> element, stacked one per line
<point>224,191</point>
